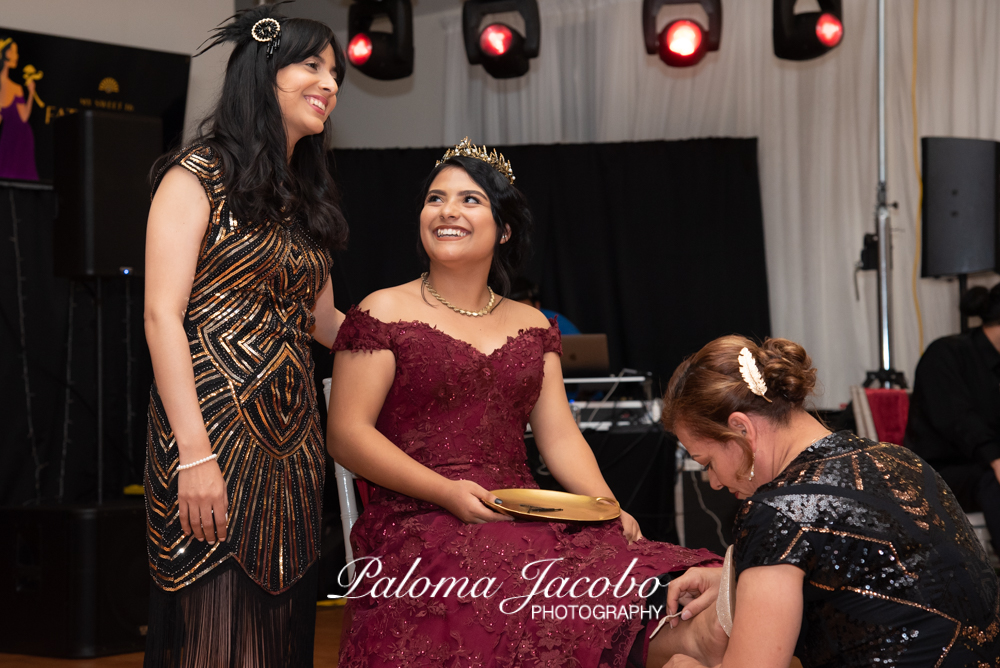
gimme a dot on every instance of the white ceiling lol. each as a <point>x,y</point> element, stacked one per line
<point>334,12</point>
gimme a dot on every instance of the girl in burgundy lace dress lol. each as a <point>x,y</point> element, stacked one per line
<point>435,382</point>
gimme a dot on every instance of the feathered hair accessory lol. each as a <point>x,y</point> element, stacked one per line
<point>751,376</point>
<point>261,24</point>
<point>466,149</point>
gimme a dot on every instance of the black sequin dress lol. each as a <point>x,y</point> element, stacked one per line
<point>250,600</point>
<point>894,575</point>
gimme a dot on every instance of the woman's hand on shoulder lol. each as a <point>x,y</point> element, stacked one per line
<point>464,499</point>
<point>327,318</point>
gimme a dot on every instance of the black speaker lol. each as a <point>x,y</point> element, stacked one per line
<point>101,176</point>
<point>961,206</point>
<point>638,464</point>
<point>75,580</point>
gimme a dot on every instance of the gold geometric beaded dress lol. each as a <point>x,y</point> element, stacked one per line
<point>247,323</point>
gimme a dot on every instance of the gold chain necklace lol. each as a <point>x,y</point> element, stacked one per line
<point>474,314</point>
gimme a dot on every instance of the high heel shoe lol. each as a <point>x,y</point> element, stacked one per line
<point>725,604</point>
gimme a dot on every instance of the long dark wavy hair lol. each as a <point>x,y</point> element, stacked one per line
<point>247,133</point>
<point>509,207</point>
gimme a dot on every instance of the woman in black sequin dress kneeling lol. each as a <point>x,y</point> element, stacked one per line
<point>847,552</point>
<point>237,286</point>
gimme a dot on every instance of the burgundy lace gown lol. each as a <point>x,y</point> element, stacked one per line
<point>463,413</point>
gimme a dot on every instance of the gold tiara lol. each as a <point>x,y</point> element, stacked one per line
<point>466,149</point>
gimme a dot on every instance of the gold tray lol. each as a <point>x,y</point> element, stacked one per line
<point>543,504</point>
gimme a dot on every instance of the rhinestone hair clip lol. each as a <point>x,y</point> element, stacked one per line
<point>267,30</point>
<point>466,149</point>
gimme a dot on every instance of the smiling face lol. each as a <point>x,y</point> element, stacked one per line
<point>456,222</point>
<point>307,93</point>
<point>723,461</point>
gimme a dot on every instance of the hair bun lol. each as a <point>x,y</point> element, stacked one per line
<point>787,369</point>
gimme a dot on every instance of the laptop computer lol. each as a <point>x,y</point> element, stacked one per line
<point>585,355</point>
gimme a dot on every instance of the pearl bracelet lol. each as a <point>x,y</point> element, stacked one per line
<point>181,467</point>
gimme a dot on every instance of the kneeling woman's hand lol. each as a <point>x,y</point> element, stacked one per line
<point>696,589</point>
<point>464,499</point>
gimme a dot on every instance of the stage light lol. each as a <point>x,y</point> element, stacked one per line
<point>829,30</point>
<point>807,35</point>
<point>496,39</point>
<point>684,42</point>
<point>381,55</point>
<point>502,51</point>
<point>360,49</point>
<point>682,38</point>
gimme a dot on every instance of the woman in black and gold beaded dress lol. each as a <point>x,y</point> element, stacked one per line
<point>237,284</point>
<point>847,552</point>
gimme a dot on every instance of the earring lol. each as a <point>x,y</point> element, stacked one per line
<point>753,461</point>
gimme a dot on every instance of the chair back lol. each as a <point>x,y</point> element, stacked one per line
<point>346,495</point>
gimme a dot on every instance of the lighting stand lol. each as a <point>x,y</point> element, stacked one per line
<point>885,376</point>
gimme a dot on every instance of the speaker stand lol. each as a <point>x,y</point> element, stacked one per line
<point>99,316</point>
<point>963,287</point>
<point>885,378</point>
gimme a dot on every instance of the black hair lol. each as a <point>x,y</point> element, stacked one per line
<point>524,288</point>
<point>5,49</point>
<point>983,303</point>
<point>247,133</point>
<point>510,209</point>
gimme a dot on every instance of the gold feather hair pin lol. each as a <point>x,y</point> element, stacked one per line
<point>751,376</point>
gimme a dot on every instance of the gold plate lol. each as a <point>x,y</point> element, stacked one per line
<point>543,504</point>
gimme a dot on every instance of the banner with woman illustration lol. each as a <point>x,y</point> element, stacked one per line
<point>43,77</point>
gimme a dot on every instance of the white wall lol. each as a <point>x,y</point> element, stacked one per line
<point>407,113</point>
<point>164,25</point>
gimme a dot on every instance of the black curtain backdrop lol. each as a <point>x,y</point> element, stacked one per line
<point>658,244</point>
<point>64,453</point>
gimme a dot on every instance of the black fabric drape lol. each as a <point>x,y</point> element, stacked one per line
<point>658,244</point>
<point>72,468</point>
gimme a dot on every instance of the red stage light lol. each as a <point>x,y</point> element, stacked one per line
<point>829,30</point>
<point>360,49</point>
<point>683,37</point>
<point>495,40</point>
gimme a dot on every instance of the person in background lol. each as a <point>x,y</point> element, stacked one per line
<point>524,291</point>
<point>847,552</point>
<point>954,420</point>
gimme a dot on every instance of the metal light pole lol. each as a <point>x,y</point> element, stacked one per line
<point>885,376</point>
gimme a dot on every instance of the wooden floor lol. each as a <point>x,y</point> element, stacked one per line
<point>328,625</point>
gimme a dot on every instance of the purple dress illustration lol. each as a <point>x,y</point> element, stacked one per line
<point>17,145</point>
